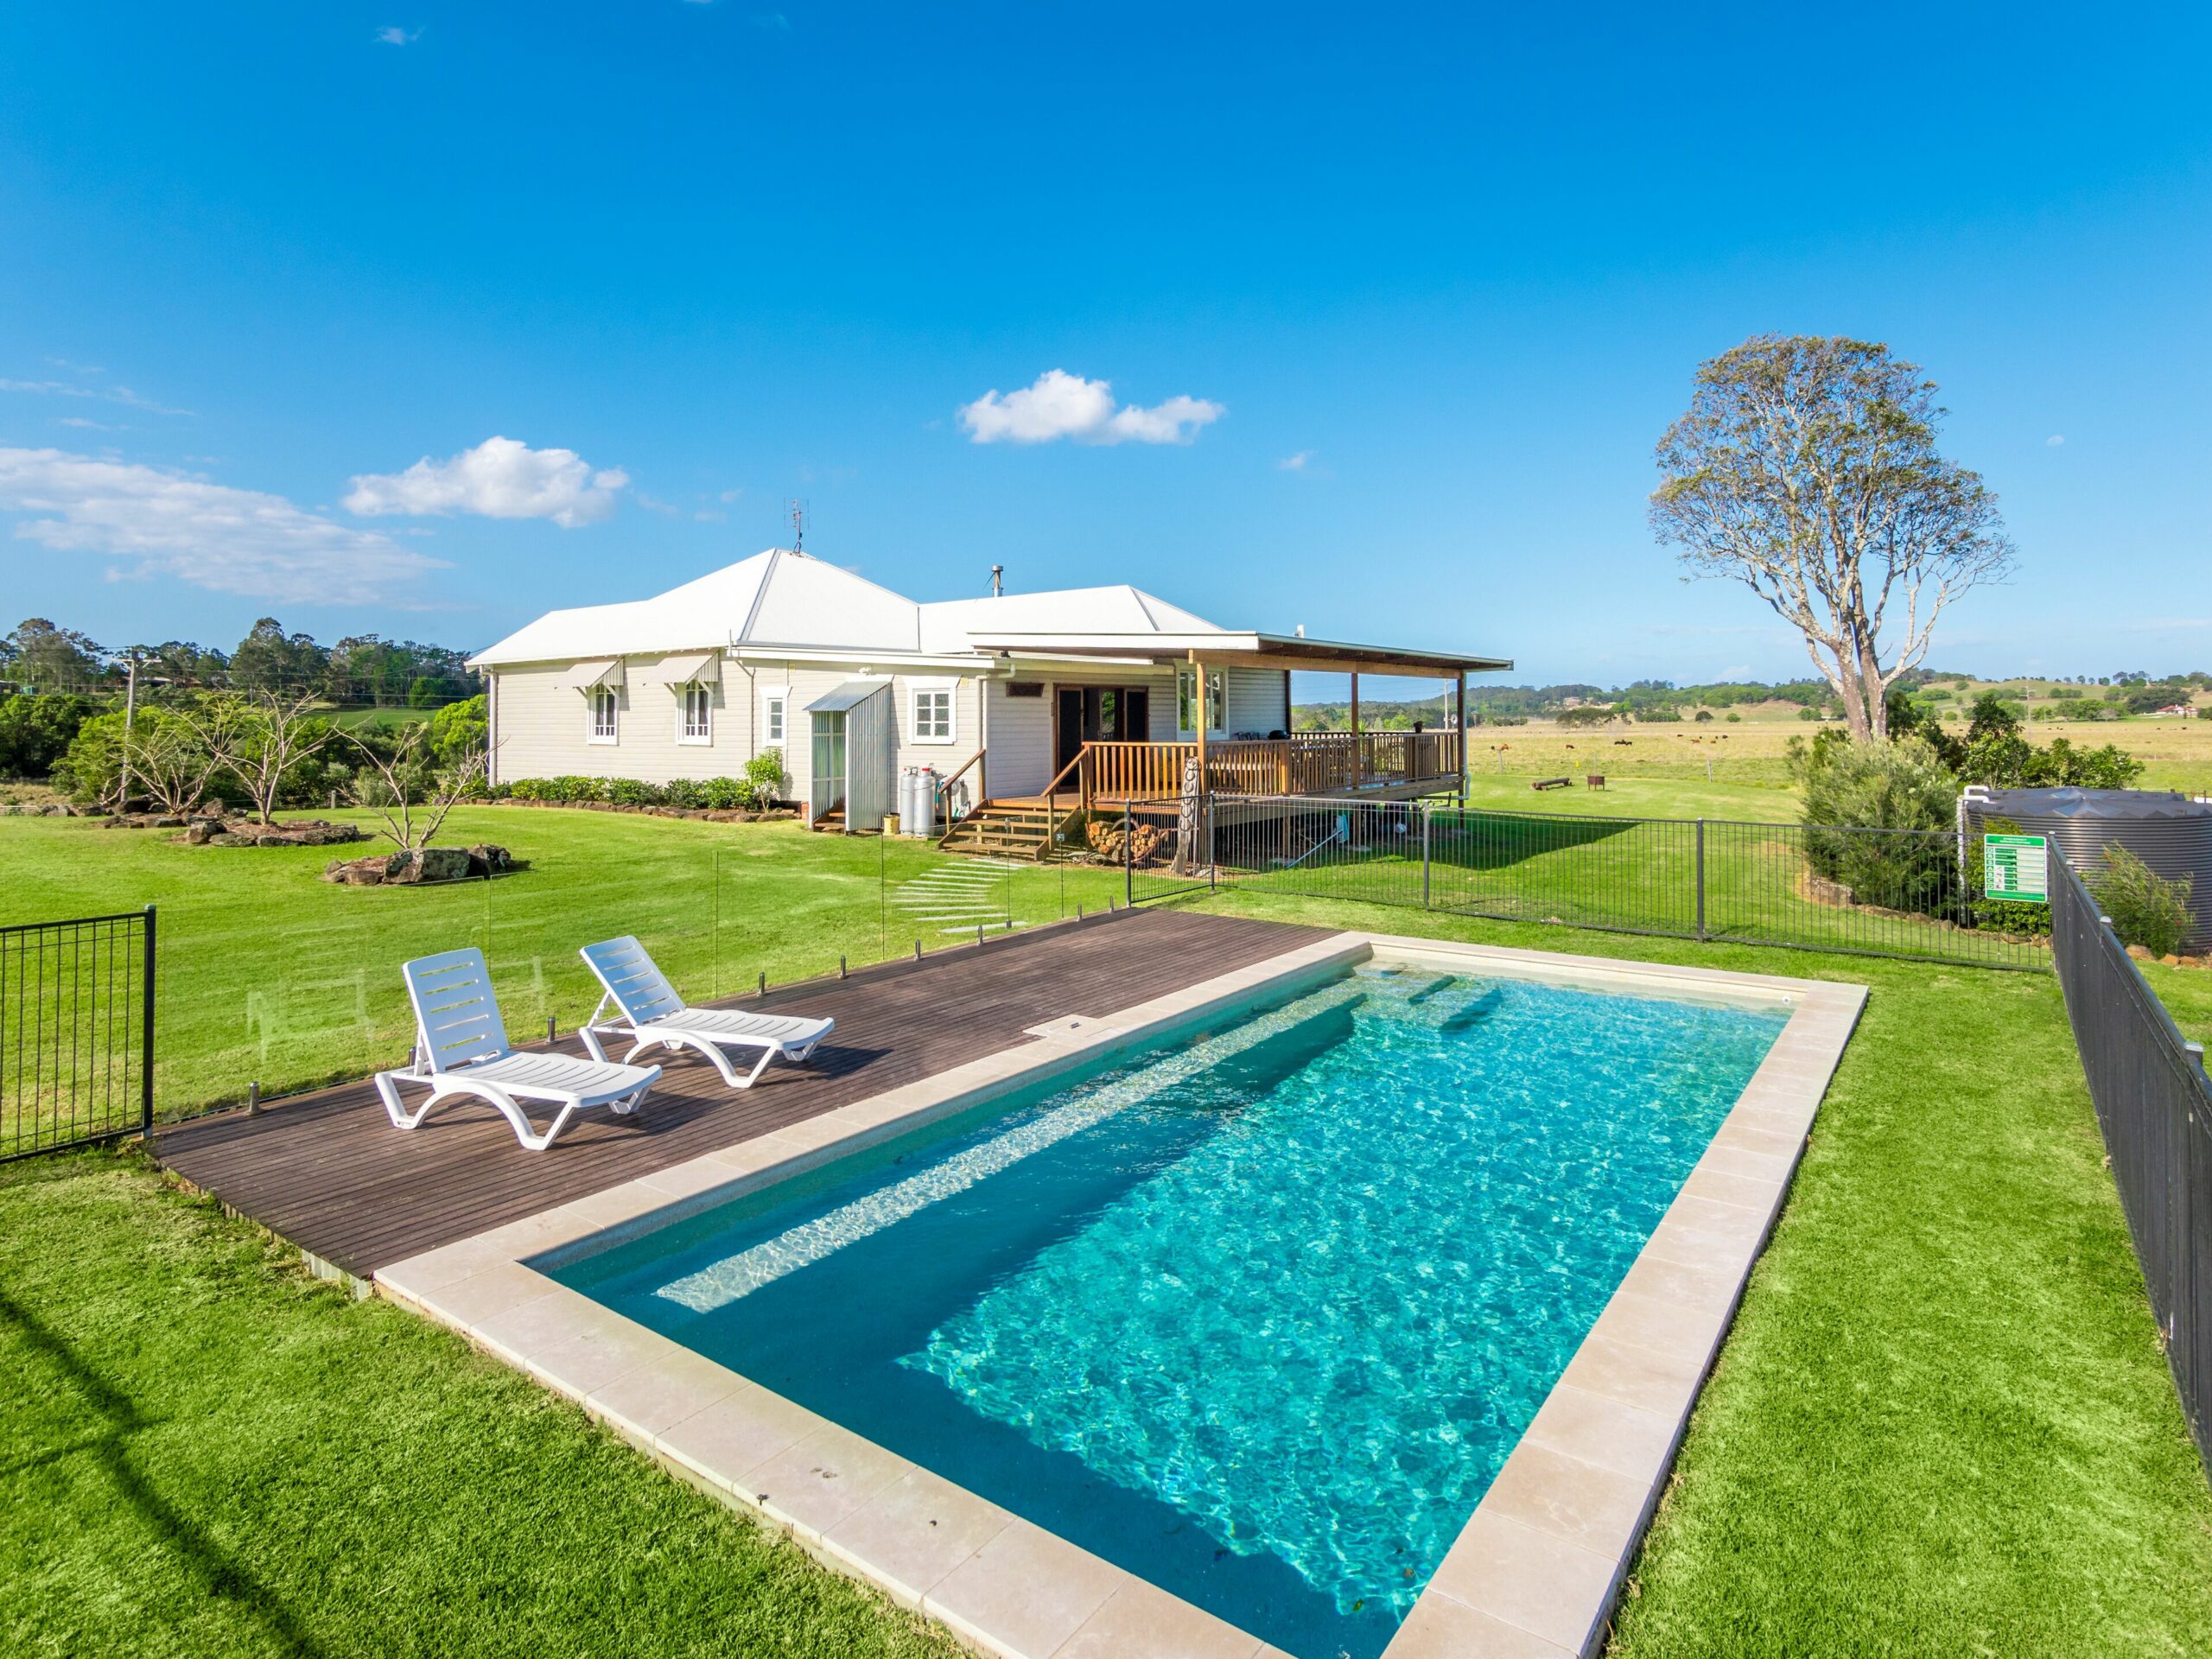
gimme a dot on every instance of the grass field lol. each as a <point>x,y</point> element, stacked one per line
<point>1942,1424</point>
<point>2177,753</point>
<point>269,973</point>
<point>205,1453</point>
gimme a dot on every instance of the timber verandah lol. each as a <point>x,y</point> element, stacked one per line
<point>328,1171</point>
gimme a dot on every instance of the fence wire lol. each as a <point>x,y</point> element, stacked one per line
<point>2155,1111</point>
<point>76,1032</point>
<point>1888,893</point>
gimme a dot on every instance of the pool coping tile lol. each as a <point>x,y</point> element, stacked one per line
<point>1534,1572</point>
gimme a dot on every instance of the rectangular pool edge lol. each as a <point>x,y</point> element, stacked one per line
<point>1537,1566</point>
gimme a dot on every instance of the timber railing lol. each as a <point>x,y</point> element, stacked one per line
<point>2155,1110</point>
<point>1305,763</point>
<point>76,1032</point>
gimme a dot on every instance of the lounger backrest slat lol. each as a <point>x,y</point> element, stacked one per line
<point>636,985</point>
<point>456,1017</point>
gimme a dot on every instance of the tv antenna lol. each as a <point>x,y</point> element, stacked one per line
<point>799,524</point>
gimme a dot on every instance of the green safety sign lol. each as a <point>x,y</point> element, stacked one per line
<point>2016,867</point>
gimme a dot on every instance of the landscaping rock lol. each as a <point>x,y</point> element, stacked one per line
<point>2139,953</point>
<point>487,858</point>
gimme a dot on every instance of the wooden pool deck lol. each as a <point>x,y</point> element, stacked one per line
<point>329,1173</point>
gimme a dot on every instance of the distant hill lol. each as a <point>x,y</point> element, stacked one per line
<point>2110,697</point>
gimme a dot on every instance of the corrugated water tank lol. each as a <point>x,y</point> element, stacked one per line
<point>2169,832</point>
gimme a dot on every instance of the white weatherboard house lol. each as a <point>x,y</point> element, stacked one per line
<point>1014,701</point>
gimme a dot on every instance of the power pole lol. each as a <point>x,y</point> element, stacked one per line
<point>130,712</point>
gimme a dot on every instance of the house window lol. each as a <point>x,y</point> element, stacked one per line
<point>1186,693</point>
<point>602,715</point>
<point>772,718</point>
<point>698,713</point>
<point>932,713</point>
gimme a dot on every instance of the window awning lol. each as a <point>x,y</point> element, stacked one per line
<point>589,676</point>
<point>850,694</point>
<point>684,669</point>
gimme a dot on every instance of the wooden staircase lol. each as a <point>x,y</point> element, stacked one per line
<point>830,823</point>
<point>1006,829</point>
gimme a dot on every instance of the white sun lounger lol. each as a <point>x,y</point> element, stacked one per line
<point>652,1013</point>
<point>460,1048</point>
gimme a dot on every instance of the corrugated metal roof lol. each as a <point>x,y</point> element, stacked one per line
<point>850,694</point>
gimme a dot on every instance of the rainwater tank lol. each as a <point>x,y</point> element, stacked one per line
<point>2169,832</point>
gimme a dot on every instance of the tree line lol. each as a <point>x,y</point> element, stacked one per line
<point>362,670</point>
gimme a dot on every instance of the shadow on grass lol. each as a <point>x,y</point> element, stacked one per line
<point>219,1574</point>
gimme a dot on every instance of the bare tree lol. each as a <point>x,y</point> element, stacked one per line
<point>1806,468</point>
<point>407,773</point>
<point>177,755</point>
<point>262,741</point>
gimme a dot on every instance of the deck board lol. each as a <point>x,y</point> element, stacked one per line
<point>328,1171</point>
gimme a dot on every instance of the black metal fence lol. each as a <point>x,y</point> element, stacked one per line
<point>76,1032</point>
<point>2155,1110</point>
<point>1889,893</point>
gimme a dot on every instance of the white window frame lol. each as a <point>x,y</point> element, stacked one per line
<point>593,733</point>
<point>1186,696</point>
<point>950,690</point>
<point>776,701</point>
<point>705,692</point>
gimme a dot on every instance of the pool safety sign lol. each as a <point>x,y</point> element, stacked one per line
<point>2016,867</point>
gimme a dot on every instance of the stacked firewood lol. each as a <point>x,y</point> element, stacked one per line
<point>1114,840</point>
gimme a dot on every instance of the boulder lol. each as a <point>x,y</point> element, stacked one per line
<point>2139,953</point>
<point>487,858</point>
<point>197,833</point>
<point>443,864</point>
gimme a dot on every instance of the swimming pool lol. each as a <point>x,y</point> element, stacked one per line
<point>1257,1316</point>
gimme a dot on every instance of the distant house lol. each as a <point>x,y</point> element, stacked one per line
<point>1090,693</point>
<point>2176,710</point>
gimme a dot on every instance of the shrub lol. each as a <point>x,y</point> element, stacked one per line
<point>2146,908</point>
<point>764,779</point>
<point>1902,785</point>
<point>1734,718</point>
<point>633,792</point>
<point>685,792</point>
<point>722,794</point>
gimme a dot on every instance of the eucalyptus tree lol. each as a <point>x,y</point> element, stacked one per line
<point>1806,468</point>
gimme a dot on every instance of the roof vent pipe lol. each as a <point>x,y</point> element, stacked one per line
<point>998,581</point>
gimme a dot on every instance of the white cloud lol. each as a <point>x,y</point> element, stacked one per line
<point>79,420</point>
<point>165,522</point>
<point>500,478</point>
<point>2055,440</point>
<point>1737,672</point>
<point>1295,463</point>
<point>105,394</point>
<point>394,35</point>
<point>1064,405</point>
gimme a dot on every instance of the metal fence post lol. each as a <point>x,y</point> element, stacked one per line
<point>1128,865</point>
<point>146,1039</point>
<point>1700,880</point>
<point>1424,854</point>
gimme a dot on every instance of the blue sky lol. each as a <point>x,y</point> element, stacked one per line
<point>1433,283</point>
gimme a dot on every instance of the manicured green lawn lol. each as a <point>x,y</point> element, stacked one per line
<point>1941,1424</point>
<point>204,1453</point>
<point>267,973</point>
<point>1639,797</point>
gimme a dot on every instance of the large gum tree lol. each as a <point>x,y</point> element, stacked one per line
<point>1806,468</point>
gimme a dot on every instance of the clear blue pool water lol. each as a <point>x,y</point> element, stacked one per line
<point>1258,1317</point>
